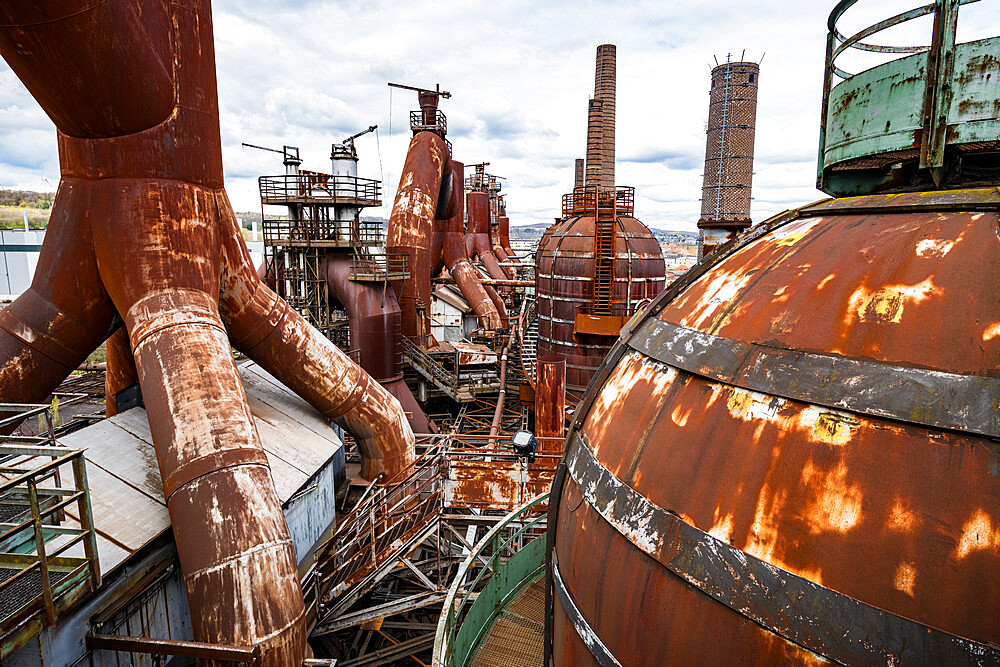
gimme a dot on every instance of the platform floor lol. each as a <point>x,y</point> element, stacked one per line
<point>516,637</point>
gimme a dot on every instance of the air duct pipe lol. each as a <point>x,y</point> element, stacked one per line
<point>477,239</point>
<point>496,245</point>
<point>411,226</point>
<point>374,317</point>
<point>453,253</point>
<point>142,227</point>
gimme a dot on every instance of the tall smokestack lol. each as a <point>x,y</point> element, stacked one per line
<point>604,92</point>
<point>595,141</point>
<point>578,175</point>
<point>732,114</point>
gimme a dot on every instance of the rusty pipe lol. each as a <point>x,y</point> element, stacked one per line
<point>456,260</point>
<point>501,398</point>
<point>63,316</point>
<point>120,371</point>
<point>373,314</point>
<point>497,303</point>
<point>504,224</point>
<point>100,366</point>
<point>498,411</point>
<point>550,403</point>
<point>477,240</point>
<point>496,246</point>
<point>411,226</point>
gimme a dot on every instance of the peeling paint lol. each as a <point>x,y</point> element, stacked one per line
<point>906,578</point>
<point>978,534</point>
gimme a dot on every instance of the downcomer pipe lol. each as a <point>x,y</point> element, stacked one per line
<point>411,226</point>
<point>477,240</point>
<point>455,258</point>
<point>374,319</point>
<point>141,231</point>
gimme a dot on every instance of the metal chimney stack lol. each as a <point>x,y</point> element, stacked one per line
<point>600,169</point>
<point>732,114</point>
<point>595,142</point>
<point>604,92</point>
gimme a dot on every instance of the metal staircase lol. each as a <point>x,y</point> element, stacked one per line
<point>528,350</point>
<point>604,251</point>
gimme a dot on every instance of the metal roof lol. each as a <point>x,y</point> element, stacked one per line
<point>124,479</point>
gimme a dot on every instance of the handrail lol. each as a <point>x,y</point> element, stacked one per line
<point>454,605</point>
<point>938,74</point>
<point>43,533</point>
<point>315,187</point>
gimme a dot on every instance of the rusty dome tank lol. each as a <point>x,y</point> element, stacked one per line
<point>597,264</point>
<point>792,456</point>
<point>581,308</point>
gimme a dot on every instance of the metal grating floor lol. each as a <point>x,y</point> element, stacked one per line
<point>516,637</point>
<point>22,591</point>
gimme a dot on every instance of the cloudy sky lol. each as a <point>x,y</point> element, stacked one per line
<point>306,73</point>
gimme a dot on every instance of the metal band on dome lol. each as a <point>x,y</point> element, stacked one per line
<point>819,619</point>
<point>586,633</point>
<point>969,403</point>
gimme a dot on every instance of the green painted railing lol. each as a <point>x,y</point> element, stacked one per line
<point>878,122</point>
<point>508,558</point>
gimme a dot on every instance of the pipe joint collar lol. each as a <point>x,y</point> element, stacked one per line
<point>170,308</point>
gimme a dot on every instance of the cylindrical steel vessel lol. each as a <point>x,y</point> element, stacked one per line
<point>793,454</point>
<point>565,285</point>
<point>550,404</point>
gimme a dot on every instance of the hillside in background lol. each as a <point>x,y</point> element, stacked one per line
<point>14,204</point>
<point>535,231</point>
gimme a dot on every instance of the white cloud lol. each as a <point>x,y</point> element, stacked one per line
<point>309,73</point>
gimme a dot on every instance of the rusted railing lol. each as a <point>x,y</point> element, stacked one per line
<point>379,266</point>
<point>316,232</point>
<point>419,122</point>
<point>42,486</point>
<point>309,187</point>
<point>484,182</point>
<point>583,201</point>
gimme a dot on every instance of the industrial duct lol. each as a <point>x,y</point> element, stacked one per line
<point>141,232</point>
<point>426,225</point>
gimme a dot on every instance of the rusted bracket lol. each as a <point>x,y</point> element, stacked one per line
<point>937,99</point>
<point>241,655</point>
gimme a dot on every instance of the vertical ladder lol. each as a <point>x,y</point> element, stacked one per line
<point>604,251</point>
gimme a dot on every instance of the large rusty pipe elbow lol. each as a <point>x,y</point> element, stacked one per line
<point>466,278</point>
<point>226,516</point>
<point>496,245</point>
<point>498,304</point>
<point>99,51</point>
<point>477,241</point>
<point>411,226</point>
<point>462,271</point>
<point>266,329</point>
